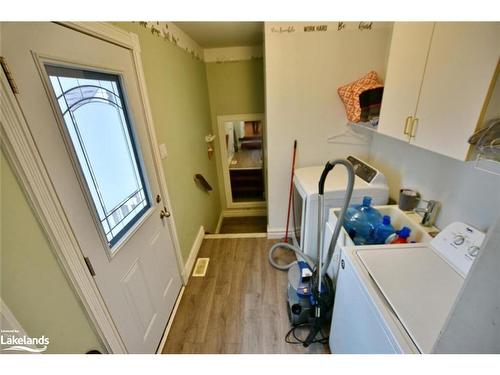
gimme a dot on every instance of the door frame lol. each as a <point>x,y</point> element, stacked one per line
<point>224,160</point>
<point>21,151</point>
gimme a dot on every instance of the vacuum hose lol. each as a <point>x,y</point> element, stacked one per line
<point>311,262</point>
<point>347,199</point>
<point>283,267</point>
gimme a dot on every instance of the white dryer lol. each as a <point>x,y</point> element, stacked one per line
<point>368,182</point>
<point>396,298</point>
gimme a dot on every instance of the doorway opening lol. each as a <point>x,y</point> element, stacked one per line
<point>242,151</point>
<point>244,224</point>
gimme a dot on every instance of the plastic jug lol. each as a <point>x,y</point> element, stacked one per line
<point>372,214</point>
<point>383,230</point>
<point>402,236</point>
<point>360,222</point>
<point>349,220</point>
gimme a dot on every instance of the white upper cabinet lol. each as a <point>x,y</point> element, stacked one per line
<point>405,71</point>
<point>444,89</point>
<point>460,67</point>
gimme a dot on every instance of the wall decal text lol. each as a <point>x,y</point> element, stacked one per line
<point>365,25</point>
<point>311,28</point>
<point>281,30</point>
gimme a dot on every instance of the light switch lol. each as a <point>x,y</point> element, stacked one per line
<point>163,150</point>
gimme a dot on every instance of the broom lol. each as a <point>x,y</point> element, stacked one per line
<point>291,191</point>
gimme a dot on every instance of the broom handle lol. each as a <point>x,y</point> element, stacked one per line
<point>291,190</point>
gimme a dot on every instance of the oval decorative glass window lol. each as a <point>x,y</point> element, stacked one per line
<point>93,107</point>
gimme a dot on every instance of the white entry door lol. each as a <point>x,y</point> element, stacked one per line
<point>81,99</point>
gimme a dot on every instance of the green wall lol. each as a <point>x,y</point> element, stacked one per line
<point>234,88</point>
<point>33,284</point>
<point>177,90</point>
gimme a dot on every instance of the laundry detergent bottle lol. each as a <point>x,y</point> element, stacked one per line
<point>402,236</point>
<point>383,230</point>
<point>360,222</point>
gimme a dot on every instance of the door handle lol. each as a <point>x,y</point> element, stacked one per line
<point>414,125</point>
<point>164,213</point>
<point>408,121</point>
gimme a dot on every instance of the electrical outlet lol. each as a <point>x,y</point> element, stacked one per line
<point>163,150</point>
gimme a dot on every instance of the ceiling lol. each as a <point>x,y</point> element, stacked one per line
<point>224,34</point>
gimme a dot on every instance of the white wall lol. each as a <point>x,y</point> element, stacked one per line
<point>303,71</point>
<point>239,131</point>
<point>229,129</point>
<point>466,194</point>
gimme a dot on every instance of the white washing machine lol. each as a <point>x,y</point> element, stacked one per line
<point>368,182</point>
<point>396,298</point>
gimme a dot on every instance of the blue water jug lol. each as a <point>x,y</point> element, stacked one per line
<point>371,214</point>
<point>360,222</point>
<point>350,221</point>
<point>383,230</point>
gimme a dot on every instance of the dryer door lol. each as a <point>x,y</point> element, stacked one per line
<point>298,208</point>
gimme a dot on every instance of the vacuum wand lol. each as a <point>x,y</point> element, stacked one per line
<point>321,213</point>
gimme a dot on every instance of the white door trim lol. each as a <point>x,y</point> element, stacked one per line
<point>7,314</point>
<point>224,159</point>
<point>21,151</point>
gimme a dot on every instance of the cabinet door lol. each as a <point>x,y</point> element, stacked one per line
<point>405,70</point>
<point>461,63</point>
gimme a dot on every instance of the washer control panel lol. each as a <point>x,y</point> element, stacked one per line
<point>459,244</point>
<point>362,170</point>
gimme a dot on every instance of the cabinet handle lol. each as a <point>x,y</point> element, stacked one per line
<point>406,130</point>
<point>414,125</point>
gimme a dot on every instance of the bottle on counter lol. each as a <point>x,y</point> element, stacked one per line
<point>401,236</point>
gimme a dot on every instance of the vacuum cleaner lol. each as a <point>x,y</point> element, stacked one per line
<point>310,292</point>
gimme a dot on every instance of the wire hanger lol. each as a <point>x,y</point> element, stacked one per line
<point>348,134</point>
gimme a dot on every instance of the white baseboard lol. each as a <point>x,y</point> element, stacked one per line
<point>238,212</point>
<point>274,233</point>
<point>219,222</point>
<point>188,266</point>
<point>234,235</point>
<point>170,321</point>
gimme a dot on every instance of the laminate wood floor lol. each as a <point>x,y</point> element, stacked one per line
<point>238,307</point>
<point>244,224</point>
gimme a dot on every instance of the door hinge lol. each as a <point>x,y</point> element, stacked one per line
<point>89,265</point>
<point>8,75</point>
